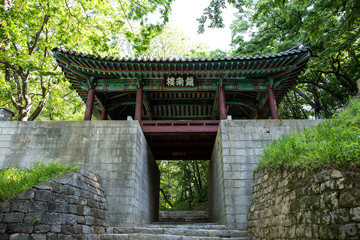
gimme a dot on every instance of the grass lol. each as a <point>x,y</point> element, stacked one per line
<point>333,143</point>
<point>14,181</point>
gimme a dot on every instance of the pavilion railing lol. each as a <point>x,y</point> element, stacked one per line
<point>180,126</point>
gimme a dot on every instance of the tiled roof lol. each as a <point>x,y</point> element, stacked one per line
<point>298,49</point>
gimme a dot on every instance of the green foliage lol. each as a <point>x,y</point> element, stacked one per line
<point>329,28</point>
<point>30,29</point>
<point>173,43</point>
<point>181,182</point>
<point>213,13</point>
<point>333,143</point>
<point>36,221</point>
<point>13,181</point>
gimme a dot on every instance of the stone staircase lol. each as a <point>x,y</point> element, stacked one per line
<point>175,231</point>
<point>183,216</point>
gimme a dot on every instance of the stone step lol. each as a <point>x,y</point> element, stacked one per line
<point>183,216</point>
<point>196,231</point>
<point>190,225</point>
<point>138,236</point>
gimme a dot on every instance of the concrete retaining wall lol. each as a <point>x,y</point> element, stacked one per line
<point>115,150</point>
<point>238,147</point>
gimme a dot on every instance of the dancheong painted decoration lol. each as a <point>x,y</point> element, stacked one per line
<point>182,89</point>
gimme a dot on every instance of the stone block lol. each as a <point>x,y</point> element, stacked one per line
<point>70,219</point>
<point>238,152</point>
<point>355,214</point>
<point>42,228</point>
<point>43,195</point>
<point>19,206</point>
<point>13,217</point>
<point>67,229</point>
<point>56,228</point>
<point>19,236</point>
<point>60,207</point>
<point>19,228</point>
<point>37,207</point>
<point>26,195</point>
<point>53,218</point>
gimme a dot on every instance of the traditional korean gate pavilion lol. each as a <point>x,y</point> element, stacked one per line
<point>199,92</point>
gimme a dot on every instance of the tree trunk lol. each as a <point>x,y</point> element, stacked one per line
<point>198,189</point>
<point>166,198</point>
<point>198,173</point>
<point>190,190</point>
<point>40,107</point>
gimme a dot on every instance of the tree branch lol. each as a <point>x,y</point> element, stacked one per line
<point>40,106</point>
<point>306,98</point>
<point>45,21</point>
<point>166,198</point>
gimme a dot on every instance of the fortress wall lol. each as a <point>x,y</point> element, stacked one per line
<point>115,150</point>
<point>238,147</point>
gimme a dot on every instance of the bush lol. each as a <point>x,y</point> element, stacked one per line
<point>14,181</point>
<point>333,143</point>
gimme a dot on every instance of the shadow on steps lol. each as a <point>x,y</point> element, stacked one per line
<point>184,216</point>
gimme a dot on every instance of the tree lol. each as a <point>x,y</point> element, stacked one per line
<point>213,12</point>
<point>183,185</point>
<point>173,43</point>
<point>329,28</point>
<point>7,4</point>
<point>30,29</point>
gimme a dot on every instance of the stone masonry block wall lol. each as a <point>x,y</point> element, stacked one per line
<point>147,183</point>
<point>238,147</point>
<point>70,207</point>
<point>114,150</point>
<point>216,193</point>
<point>305,205</point>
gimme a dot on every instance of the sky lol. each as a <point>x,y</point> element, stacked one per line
<point>184,15</point>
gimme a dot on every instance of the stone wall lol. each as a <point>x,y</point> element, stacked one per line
<point>70,207</point>
<point>115,150</point>
<point>238,147</point>
<point>305,205</point>
<point>216,193</point>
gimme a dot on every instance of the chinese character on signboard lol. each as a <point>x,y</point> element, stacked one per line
<point>189,82</point>
<point>179,82</point>
<point>170,82</point>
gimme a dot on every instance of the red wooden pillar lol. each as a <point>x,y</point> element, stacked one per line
<point>104,114</point>
<point>89,103</point>
<point>272,103</point>
<point>139,104</point>
<point>222,103</point>
<point>260,114</point>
